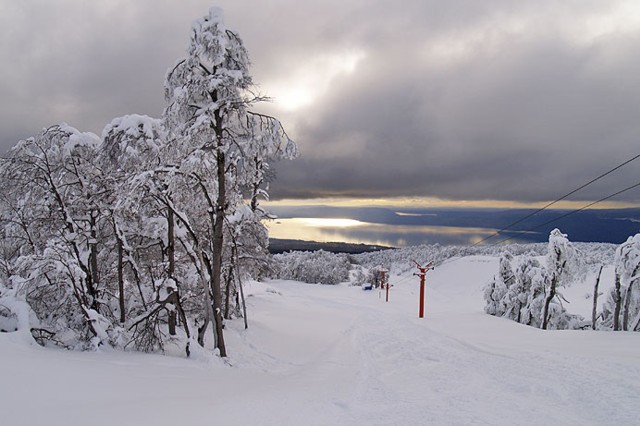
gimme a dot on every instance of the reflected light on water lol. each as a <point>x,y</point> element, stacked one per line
<point>357,232</point>
<point>326,223</point>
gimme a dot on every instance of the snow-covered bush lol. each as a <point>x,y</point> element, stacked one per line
<point>496,290</point>
<point>315,267</point>
<point>360,276</point>
<point>521,294</point>
<point>530,294</point>
<point>537,281</point>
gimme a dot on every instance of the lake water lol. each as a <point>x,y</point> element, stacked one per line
<point>358,232</point>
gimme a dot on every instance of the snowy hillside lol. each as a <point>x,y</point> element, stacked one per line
<point>318,354</point>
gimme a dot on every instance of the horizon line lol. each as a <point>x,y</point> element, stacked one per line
<point>432,202</point>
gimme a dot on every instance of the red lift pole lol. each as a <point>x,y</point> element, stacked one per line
<point>423,271</point>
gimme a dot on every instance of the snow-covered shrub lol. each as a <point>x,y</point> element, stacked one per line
<point>360,276</point>
<point>497,289</point>
<point>519,294</point>
<point>537,282</point>
<point>317,267</point>
<point>530,294</point>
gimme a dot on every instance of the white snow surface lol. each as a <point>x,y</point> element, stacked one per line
<point>338,355</point>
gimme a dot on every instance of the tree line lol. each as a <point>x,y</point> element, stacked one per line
<point>142,235</point>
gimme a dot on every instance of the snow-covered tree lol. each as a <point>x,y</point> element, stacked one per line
<point>129,144</point>
<point>53,213</point>
<point>125,239</point>
<point>559,254</point>
<point>215,139</point>
<point>145,229</point>
<point>622,308</point>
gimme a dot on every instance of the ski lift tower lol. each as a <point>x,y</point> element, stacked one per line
<point>423,271</point>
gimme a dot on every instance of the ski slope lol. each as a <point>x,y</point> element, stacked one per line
<point>337,355</point>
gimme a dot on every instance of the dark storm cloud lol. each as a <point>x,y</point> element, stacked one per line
<point>460,100</point>
<point>525,116</point>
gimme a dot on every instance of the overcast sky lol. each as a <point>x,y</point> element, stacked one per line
<point>461,100</point>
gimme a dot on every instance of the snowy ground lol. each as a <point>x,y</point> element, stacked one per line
<point>320,355</point>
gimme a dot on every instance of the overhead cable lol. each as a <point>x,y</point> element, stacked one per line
<point>573,212</point>
<point>508,227</point>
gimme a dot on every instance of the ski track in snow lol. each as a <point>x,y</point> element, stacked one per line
<point>319,355</point>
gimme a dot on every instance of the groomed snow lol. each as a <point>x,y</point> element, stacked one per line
<point>337,355</point>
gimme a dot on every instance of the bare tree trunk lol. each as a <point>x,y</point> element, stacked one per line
<point>636,323</point>
<point>244,305</point>
<point>547,301</point>
<point>129,256</point>
<point>218,244</point>
<point>627,305</point>
<point>552,293</point>
<point>183,318</point>
<point>227,296</point>
<point>93,263</point>
<point>627,299</point>
<point>121,283</point>
<point>594,311</point>
<point>202,330</point>
<point>625,308</point>
<point>617,300</point>
<point>171,254</point>
<point>174,292</point>
<point>230,277</point>
<point>218,227</point>
<point>241,291</point>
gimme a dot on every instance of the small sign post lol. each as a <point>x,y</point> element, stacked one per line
<point>385,282</point>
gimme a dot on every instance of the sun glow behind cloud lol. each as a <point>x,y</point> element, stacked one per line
<point>311,79</point>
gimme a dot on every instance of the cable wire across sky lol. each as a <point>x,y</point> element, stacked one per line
<point>509,227</point>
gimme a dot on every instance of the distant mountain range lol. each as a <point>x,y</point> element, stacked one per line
<point>607,226</point>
